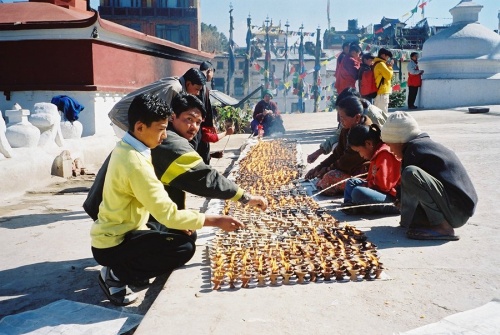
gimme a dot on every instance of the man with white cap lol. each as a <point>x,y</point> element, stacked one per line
<point>436,193</point>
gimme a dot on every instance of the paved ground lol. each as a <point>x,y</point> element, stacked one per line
<point>45,255</point>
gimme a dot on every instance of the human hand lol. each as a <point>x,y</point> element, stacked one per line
<point>258,201</point>
<point>312,157</point>
<point>312,173</point>
<point>224,222</point>
<point>322,171</point>
<point>230,130</point>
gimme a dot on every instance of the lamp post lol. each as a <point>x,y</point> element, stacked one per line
<point>230,62</point>
<point>300,83</point>
<point>286,69</point>
<point>317,67</point>
<point>248,55</point>
<point>267,56</point>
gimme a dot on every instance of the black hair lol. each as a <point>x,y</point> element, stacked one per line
<point>195,76</point>
<point>354,47</point>
<point>367,55</point>
<point>351,106</point>
<point>206,65</point>
<point>347,92</point>
<point>147,108</point>
<point>345,44</point>
<point>360,133</point>
<point>413,54</point>
<point>184,101</point>
<point>384,51</point>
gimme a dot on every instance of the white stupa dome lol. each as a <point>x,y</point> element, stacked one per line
<point>465,38</point>
<point>461,63</point>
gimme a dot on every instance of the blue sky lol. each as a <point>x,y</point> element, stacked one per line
<point>313,13</point>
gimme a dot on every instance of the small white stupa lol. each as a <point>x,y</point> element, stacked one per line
<point>461,63</point>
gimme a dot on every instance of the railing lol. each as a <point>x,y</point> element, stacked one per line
<point>148,11</point>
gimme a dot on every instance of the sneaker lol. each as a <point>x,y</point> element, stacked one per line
<point>413,107</point>
<point>117,292</point>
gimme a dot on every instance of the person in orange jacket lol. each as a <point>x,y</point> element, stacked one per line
<point>383,173</point>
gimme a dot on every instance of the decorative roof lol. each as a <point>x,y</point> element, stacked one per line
<point>38,12</point>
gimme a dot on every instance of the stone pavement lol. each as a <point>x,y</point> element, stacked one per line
<point>46,255</point>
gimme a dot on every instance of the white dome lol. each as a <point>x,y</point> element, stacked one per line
<point>463,41</point>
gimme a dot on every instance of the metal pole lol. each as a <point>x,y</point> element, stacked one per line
<point>249,53</point>
<point>317,67</point>
<point>267,56</point>
<point>300,83</point>
<point>285,68</point>
<point>229,74</point>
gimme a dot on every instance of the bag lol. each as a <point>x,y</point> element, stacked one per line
<point>94,197</point>
<point>367,86</point>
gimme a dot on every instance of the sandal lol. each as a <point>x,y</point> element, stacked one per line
<point>429,234</point>
<point>117,292</point>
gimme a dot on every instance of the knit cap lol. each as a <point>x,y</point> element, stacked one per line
<point>400,127</point>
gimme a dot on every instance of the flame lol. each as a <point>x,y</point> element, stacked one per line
<point>261,263</point>
<point>274,265</point>
<point>374,260</point>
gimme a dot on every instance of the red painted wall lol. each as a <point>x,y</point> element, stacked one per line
<point>42,63</point>
<point>81,65</point>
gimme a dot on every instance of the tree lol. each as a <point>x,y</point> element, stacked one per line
<point>212,40</point>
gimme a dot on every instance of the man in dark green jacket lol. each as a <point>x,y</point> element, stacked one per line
<point>181,169</point>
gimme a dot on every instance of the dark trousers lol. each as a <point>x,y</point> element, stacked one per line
<point>412,95</point>
<point>149,253</point>
<point>425,202</point>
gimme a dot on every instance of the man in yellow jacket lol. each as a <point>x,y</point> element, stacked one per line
<point>383,72</point>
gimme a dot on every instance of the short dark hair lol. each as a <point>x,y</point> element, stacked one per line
<point>413,54</point>
<point>351,105</point>
<point>384,51</point>
<point>206,65</point>
<point>195,76</point>
<point>147,108</point>
<point>354,47</point>
<point>347,92</point>
<point>345,44</point>
<point>367,55</point>
<point>184,101</point>
<point>360,133</point>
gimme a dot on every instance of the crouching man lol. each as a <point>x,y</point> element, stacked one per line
<point>437,194</point>
<point>131,249</point>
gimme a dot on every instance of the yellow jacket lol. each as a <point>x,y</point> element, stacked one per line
<point>382,70</point>
<point>131,192</point>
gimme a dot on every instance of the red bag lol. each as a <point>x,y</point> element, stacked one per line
<point>367,84</point>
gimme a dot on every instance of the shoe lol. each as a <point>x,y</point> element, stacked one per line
<point>117,292</point>
<point>388,209</point>
<point>413,107</point>
<point>429,234</point>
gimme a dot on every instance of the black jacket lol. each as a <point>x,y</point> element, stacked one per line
<point>444,165</point>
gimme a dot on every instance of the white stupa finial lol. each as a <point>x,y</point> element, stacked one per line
<point>465,12</point>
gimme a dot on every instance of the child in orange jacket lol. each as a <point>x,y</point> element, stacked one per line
<point>383,177</point>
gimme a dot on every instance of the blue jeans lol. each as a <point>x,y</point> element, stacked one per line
<point>356,192</point>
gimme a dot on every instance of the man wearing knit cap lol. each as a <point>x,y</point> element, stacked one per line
<point>436,193</point>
